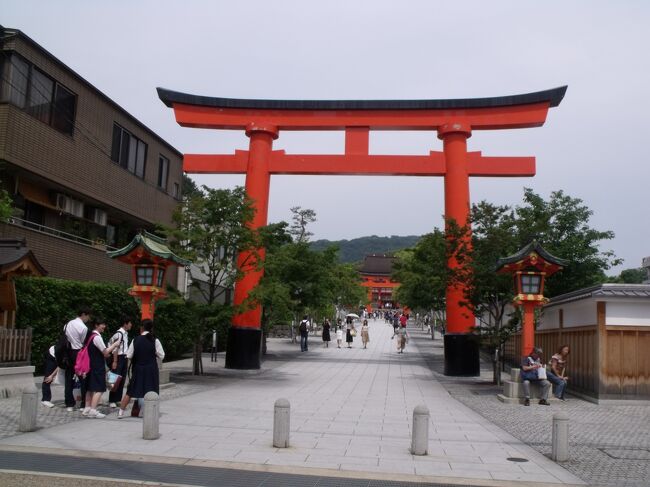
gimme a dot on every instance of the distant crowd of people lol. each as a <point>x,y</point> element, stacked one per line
<point>87,363</point>
<point>397,319</point>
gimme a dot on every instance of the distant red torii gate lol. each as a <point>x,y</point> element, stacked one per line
<point>453,120</point>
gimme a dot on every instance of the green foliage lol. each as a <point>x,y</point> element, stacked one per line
<point>630,276</point>
<point>299,280</point>
<point>356,249</point>
<point>561,225</point>
<point>47,304</point>
<point>212,230</point>
<point>175,321</point>
<point>301,218</point>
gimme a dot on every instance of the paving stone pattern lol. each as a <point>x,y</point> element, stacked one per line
<point>598,433</point>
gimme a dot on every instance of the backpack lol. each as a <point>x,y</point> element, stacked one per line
<point>303,327</point>
<point>62,350</point>
<point>82,364</point>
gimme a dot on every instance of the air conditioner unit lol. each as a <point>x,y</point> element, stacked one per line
<point>69,205</point>
<point>63,202</point>
<point>77,208</point>
<point>98,216</point>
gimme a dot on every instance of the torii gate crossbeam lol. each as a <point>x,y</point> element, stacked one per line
<point>453,120</point>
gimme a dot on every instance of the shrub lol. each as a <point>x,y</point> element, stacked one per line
<point>47,304</point>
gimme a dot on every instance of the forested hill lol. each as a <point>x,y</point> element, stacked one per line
<point>356,249</point>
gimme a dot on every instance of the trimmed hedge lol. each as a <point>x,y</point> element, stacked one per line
<point>46,305</point>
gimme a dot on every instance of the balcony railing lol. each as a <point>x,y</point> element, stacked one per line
<point>15,346</point>
<point>59,233</point>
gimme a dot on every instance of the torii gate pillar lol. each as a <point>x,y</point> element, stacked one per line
<point>453,120</point>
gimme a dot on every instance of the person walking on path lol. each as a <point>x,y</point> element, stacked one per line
<point>350,331</point>
<point>75,330</point>
<point>118,362</point>
<point>530,366</point>
<point>326,333</point>
<point>556,374</point>
<point>402,339</point>
<point>395,324</point>
<point>339,334</point>
<point>96,379</point>
<point>403,320</point>
<point>365,338</point>
<point>303,328</point>
<point>144,352</point>
<point>50,369</point>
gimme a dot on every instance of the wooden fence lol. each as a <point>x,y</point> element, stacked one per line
<point>15,346</point>
<point>611,364</point>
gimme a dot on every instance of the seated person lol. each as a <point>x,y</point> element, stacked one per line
<point>529,371</point>
<point>557,372</point>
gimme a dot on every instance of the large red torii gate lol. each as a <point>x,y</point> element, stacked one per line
<point>453,120</point>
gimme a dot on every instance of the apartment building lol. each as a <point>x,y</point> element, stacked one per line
<point>84,174</point>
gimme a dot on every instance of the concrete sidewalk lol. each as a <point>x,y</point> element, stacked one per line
<point>351,412</point>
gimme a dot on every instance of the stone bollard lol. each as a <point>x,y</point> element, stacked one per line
<point>560,442</point>
<point>151,416</point>
<point>281,416</point>
<point>28,409</point>
<point>420,436</point>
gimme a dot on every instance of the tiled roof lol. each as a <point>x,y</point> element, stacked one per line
<point>641,291</point>
<point>377,264</point>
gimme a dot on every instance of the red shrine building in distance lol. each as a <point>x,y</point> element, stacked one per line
<point>376,273</point>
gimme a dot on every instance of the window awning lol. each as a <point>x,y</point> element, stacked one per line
<point>36,194</point>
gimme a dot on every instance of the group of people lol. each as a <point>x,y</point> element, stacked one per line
<point>350,332</point>
<point>533,370</point>
<point>142,353</point>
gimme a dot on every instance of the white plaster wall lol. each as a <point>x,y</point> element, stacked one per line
<point>632,313</point>
<point>580,313</point>
<point>550,318</point>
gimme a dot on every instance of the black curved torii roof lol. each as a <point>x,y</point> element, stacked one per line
<point>553,97</point>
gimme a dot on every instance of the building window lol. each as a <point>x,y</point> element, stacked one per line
<point>128,151</point>
<point>176,192</point>
<point>163,172</point>
<point>29,88</point>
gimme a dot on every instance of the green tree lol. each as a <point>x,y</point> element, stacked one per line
<point>630,276</point>
<point>301,218</point>
<point>212,231</point>
<point>298,280</point>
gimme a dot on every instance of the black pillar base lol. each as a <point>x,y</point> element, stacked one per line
<point>244,349</point>
<point>461,355</point>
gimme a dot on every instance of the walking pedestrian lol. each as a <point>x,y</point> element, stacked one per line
<point>339,334</point>
<point>402,339</point>
<point>144,352</point>
<point>326,332</point>
<point>117,362</point>
<point>304,333</point>
<point>365,338</point>
<point>395,324</point>
<point>349,330</point>
<point>50,369</point>
<point>95,380</point>
<point>75,330</point>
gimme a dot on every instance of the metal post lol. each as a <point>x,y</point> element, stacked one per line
<point>281,416</point>
<point>420,438</point>
<point>560,441</point>
<point>28,409</point>
<point>150,430</point>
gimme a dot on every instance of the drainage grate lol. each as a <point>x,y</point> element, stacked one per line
<point>627,453</point>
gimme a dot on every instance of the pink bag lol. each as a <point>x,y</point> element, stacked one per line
<point>82,364</point>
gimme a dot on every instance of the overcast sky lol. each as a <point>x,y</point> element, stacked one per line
<point>593,146</point>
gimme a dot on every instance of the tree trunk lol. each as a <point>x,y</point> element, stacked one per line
<point>197,359</point>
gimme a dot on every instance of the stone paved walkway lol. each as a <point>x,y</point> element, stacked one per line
<point>351,411</point>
